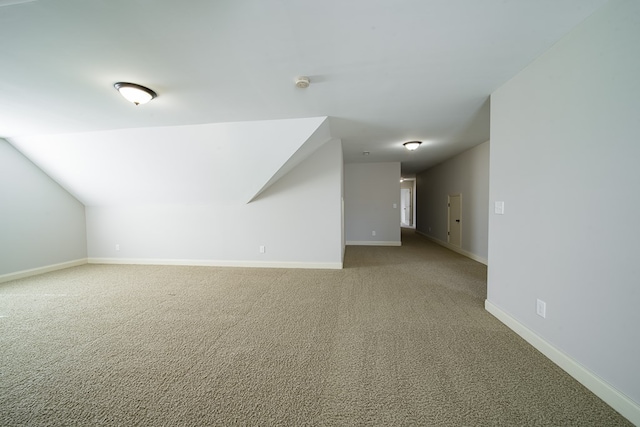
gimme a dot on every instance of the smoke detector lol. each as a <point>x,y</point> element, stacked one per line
<point>303,82</point>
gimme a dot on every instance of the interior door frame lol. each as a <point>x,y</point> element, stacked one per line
<point>409,214</point>
<point>412,190</point>
<point>449,218</point>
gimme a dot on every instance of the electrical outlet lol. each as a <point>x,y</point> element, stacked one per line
<point>373,233</point>
<point>541,308</point>
<point>262,249</point>
<point>117,246</point>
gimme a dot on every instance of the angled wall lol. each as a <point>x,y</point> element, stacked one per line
<point>174,164</point>
<point>564,160</point>
<point>372,203</point>
<point>466,174</point>
<point>297,219</point>
<point>41,225</point>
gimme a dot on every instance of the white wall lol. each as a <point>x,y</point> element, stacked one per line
<point>466,174</point>
<point>40,223</point>
<point>175,164</point>
<point>297,219</point>
<point>370,191</point>
<point>564,159</point>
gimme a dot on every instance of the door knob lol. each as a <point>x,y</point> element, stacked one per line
<point>457,220</point>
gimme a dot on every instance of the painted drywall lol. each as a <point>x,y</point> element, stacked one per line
<point>466,174</point>
<point>297,220</point>
<point>371,190</point>
<point>564,159</point>
<point>406,184</point>
<point>41,224</point>
<point>175,164</point>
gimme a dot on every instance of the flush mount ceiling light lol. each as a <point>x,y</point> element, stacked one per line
<point>135,93</point>
<point>412,145</point>
<point>303,82</point>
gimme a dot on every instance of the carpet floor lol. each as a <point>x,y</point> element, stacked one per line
<point>398,337</point>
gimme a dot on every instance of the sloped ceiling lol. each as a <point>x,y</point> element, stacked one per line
<point>384,72</point>
<point>195,164</point>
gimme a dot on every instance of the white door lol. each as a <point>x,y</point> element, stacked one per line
<point>454,234</point>
<point>405,206</point>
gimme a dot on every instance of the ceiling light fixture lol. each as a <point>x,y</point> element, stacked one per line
<point>135,93</point>
<point>412,145</point>
<point>303,82</point>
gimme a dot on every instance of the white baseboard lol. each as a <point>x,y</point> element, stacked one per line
<point>373,243</point>
<point>218,263</point>
<point>41,270</point>
<point>618,401</point>
<point>455,248</point>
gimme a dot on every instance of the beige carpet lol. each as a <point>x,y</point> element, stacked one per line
<point>399,337</point>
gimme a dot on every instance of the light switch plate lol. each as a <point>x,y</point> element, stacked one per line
<point>541,308</point>
<point>499,208</point>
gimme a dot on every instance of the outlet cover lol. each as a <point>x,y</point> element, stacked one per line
<point>262,249</point>
<point>541,308</point>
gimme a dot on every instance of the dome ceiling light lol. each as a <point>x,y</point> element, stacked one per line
<point>303,82</point>
<point>412,145</point>
<point>135,93</point>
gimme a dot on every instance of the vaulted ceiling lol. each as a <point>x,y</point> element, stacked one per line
<point>176,164</point>
<point>384,72</point>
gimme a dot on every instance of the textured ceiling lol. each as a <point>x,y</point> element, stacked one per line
<point>383,71</point>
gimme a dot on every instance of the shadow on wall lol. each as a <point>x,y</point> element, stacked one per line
<point>480,124</point>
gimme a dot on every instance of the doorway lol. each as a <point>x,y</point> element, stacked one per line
<point>407,203</point>
<point>406,208</point>
<point>454,228</point>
